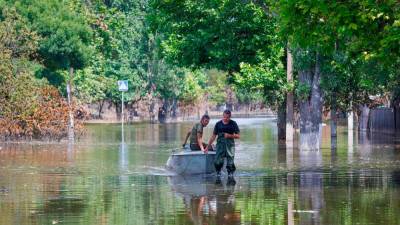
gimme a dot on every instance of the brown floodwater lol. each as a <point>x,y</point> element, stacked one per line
<point>102,180</point>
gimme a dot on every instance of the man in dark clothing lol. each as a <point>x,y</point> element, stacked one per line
<point>227,131</point>
<point>196,135</point>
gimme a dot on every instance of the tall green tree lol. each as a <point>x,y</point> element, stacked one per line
<point>18,43</point>
<point>117,42</point>
<point>361,29</point>
<point>268,80</point>
<point>127,50</point>
<point>214,34</point>
<point>65,38</point>
<point>29,107</point>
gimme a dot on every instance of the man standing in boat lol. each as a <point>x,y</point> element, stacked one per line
<point>227,131</point>
<point>196,135</point>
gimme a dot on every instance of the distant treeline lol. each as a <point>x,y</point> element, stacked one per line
<point>48,47</point>
<point>188,51</point>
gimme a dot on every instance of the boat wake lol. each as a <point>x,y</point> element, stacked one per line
<point>157,171</point>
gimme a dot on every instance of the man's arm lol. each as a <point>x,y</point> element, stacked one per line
<point>232,136</point>
<point>236,132</point>
<point>186,138</point>
<point>212,139</point>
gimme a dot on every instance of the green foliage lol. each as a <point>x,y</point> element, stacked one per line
<point>29,108</point>
<point>303,91</point>
<point>126,50</point>
<point>216,85</point>
<point>91,87</point>
<point>213,34</point>
<point>186,50</point>
<point>267,79</point>
<point>193,87</point>
<point>224,35</point>
<point>358,42</point>
<point>17,87</point>
<point>65,34</point>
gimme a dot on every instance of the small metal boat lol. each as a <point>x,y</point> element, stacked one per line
<point>191,162</point>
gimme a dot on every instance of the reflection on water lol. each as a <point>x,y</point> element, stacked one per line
<point>104,179</point>
<point>208,200</point>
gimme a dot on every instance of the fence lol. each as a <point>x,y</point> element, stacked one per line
<point>382,120</point>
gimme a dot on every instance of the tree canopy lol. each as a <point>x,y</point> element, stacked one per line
<point>186,51</point>
<point>214,34</point>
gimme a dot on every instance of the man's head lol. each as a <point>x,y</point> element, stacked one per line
<point>205,119</point>
<point>226,116</point>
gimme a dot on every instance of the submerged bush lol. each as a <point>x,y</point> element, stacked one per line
<point>48,120</point>
<point>29,108</point>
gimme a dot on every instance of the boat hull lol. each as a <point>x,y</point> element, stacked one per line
<point>191,162</point>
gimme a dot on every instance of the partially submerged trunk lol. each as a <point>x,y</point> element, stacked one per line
<point>101,105</point>
<point>333,117</point>
<point>289,100</point>
<point>174,108</point>
<point>363,121</point>
<point>163,112</point>
<point>152,111</point>
<point>281,121</point>
<point>70,93</point>
<point>350,121</point>
<point>162,117</point>
<point>311,108</point>
<point>118,110</point>
<point>229,98</point>
<point>248,109</point>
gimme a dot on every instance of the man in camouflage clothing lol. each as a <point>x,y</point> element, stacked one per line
<point>196,135</point>
<point>227,131</point>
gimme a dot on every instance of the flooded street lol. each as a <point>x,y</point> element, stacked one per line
<point>102,180</point>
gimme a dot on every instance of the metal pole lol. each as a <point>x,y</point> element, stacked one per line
<point>122,116</point>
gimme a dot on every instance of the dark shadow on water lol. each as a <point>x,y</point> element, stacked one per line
<point>65,205</point>
<point>377,139</point>
<point>396,177</point>
<point>282,149</point>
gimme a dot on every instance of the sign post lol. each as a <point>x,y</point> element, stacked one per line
<point>122,87</point>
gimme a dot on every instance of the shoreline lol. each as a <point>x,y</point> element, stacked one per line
<point>180,119</point>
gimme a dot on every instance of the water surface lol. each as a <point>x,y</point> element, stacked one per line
<point>101,180</point>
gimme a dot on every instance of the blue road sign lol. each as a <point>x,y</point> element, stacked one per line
<point>123,85</point>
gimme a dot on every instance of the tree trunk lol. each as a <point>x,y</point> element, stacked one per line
<point>311,109</point>
<point>101,105</point>
<point>363,123</point>
<point>229,98</point>
<point>289,100</point>
<point>174,114</point>
<point>281,122</point>
<point>152,110</point>
<point>333,117</point>
<point>163,112</point>
<point>248,109</point>
<point>207,104</point>
<point>350,121</point>
<point>118,111</point>
<point>70,94</point>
